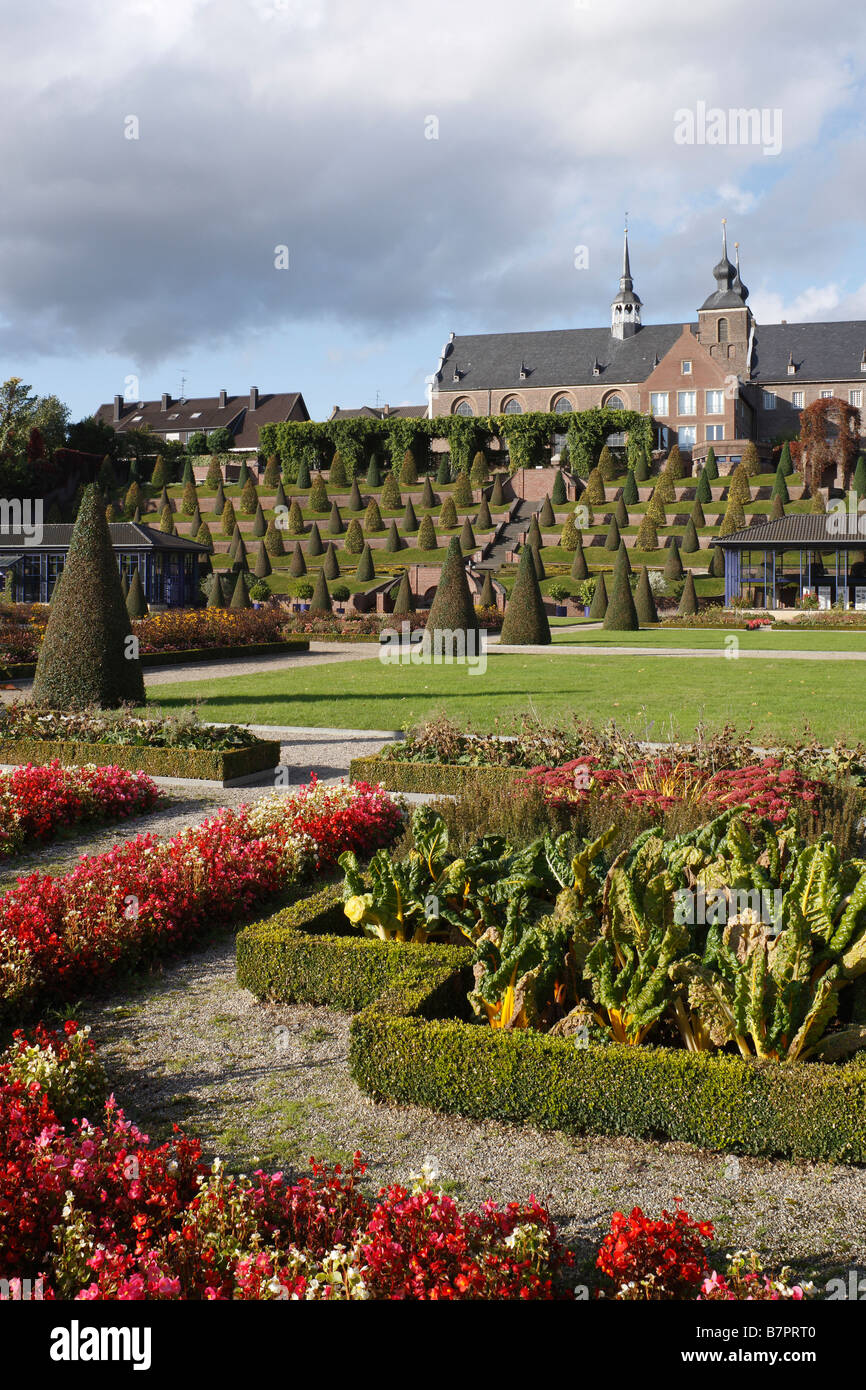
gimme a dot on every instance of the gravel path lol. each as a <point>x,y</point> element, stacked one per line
<point>269,1085</point>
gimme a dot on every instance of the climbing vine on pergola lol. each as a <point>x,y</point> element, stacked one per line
<point>528,437</point>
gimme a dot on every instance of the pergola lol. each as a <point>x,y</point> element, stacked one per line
<point>773,564</point>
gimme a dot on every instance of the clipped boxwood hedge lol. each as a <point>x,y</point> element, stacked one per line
<point>412,1042</point>
<point>23,670</point>
<point>206,763</point>
<point>442,778</point>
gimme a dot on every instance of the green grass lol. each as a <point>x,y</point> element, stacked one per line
<point>703,637</point>
<point>646,693</point>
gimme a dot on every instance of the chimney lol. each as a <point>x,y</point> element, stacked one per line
<point>386,410</point>
<point>118,407</point>
<point>254,398</point>
<point>222,400</point>
<point>166,401</point>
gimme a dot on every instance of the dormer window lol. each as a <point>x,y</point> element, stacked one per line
<point>792,366</point>
<point>457,374</point>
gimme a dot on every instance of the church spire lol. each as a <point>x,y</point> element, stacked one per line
<point>626,306</point>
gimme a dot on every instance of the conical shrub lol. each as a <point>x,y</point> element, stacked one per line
<point>260,526</point>
<point>607,465</point>
<point>673,569</point>
<point>689,601</point>
<point>330,564</point>
<point>656,508</point>
<point>642,467</point>
<point>219,502</point>
<point>537,562</point>
<point>249,498</point>
<point>751,461</point>
<point>780,486</point>
<point>717,564</point>
<point>739,488</point>
<point>612,538</point>
<point>229,520</point>
<point>547,516</point>
<point>214,475</point>
<point>463,495</point>
<point>274,539</point>
<point>391,495</point>
<point>337,476</point>
<point>689,542</point>
<point>393,542</point>
<point>579,567</point>
<point>777,508</point>
<point>647,536</point>
<point>318,499</point>
<point>303,481</point>
<point>315,544</point>
<point>427,534</point>
<point>644,600</point>
<point>136,603</point>
<point>428,496</point>
<point>263,562</point>
<point>297,565</point>
<point>487,597</point>
<point>272,476</point>
<point>189,501</point>
<point>443,472</point>
<point>478,471</point>
<point>356,501</point>
<point>525,623</point>
<point>408,469</point>
<point>621,614</point>
<point>594,490</point>
<point>448,514</point>
<point>354,541</point>
<point>373,519</point>
<point>734,518</point>
<point>404,602</point>
<point>711,468</point>
<point>622,562</point>
<point>335,521</point>
<point>570,538</point>
<point>598,607</point>
<point>374,477</point>
<point>240,594</point>
<point>243,475</point>
<point>365,571</point>
<point>630,494</point>
<point>497,496</point>
<point>559,496</point>
<point>484,520</point>
<point>85,657</point>
<point>452,608</point>
<point>703,491</point>
<point>467,535</point>
<point>697,514</point>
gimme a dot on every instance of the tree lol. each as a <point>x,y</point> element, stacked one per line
<point>656,508</point>
<point>260,526</point>
<point>478,471</point>
<point>598,607</point>
<point>404,601</point>
<point>92,436</point>
<point>463,494</point>
<point>467,535</point>
<point>452,609</point>
<point>621,614</point>
<point>525,623</point>
<point>408,469</point>
<point>607,465</point>
<point>688,602</point>
<point>734,518</point>
<point>391,496</point>
<point>335,521</point>
<point>644,600</point>
<point>443,472</point>
<point>621,512</point>
<point>272,476</point>
<point>243,475</point>
<point>674,465</point>
<point>166,522</point>
<point>356,501</point>
<point>136,603</point>
<point>249,498</point>
<point>427,534</point>
<point>703,492</point>
<point>134,497</point>
<point>214,476</point>
<point>303,479</point>
<point>711,468</point>
<point>159,476</point>
<point>366,570</point>
<point>318,499</point>
<point>612,539</point>
<point>642,467</point>
<point>219,441</point>
<point>392,540</point>
<point>751,461</point>
<point>428,496</point>
<point>697,514</point>
<point>777,508</point>
<point>484,520</point>
<point>717,565</point>
<point>630,495</point>
<point>739,486</point>
<point>647,536</point>
<point>189,502</point>
<point>229,520</point>
<point>570,538</point>
<point>374,477</point>
<point>780,486</point>
<point>547,516</point>
<point>690,542</point>
<point>315,545</point>
<point>666,487</point>
<point>215,596</point>
<point>859,477</point>
<point>85,657</point>
<point>487,597</point>
<point>559,496</point>
<point>497,496</point>
<point>818,503</point>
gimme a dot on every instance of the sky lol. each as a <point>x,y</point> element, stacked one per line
<point>310,195</point>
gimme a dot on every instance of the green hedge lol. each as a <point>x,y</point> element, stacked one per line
<point>306,953</point>
<point>24,670</point>
<point>440,778</point>
<point>205,763</point>
<point>412,1043</point>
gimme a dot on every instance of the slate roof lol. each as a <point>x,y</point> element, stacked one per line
<point>377,412</point>
<point>125,535</point>
<point>556,357</point>
<point>796,529</point>
<point>205,413</point>
<point>822,351</point>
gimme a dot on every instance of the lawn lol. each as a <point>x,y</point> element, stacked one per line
<point>650,694</point>
<point>717,637</point>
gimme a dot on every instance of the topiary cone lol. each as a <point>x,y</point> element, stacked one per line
<point>330,564</point>
<point>579,567</point>
<point>621,614</point>
<point>644,600</point>
<point>405,601</point>
<point>525,623</point>
<point>366,570</point>
<point>263,563</point>
<point>688,602</point>
<point>136,603</point>
<point>321,600</point>
<point>598,607</point>
<point>240,596</point>
<point>487,597</point>
<point>673,564</point>
<point>452,608</point>
<point>84,657</point>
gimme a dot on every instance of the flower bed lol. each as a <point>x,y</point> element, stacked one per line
<point>90,1211</point>
<point>37,802</point>
<point>178,747</point>
<point>413,1042</point>
<point>146,897</point>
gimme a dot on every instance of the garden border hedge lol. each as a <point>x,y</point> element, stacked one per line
<point>443,779</point>
<point>411,1042</point>
<point>207,764</point>
<point>24,670</point>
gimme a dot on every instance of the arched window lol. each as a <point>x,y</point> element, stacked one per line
<point>464,408</point>
<point>512,406</point>
<point>614,403</point>
<point>723,330</point>
<point>562,405</point>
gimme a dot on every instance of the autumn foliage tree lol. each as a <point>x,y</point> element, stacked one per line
<point>829,438</point>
